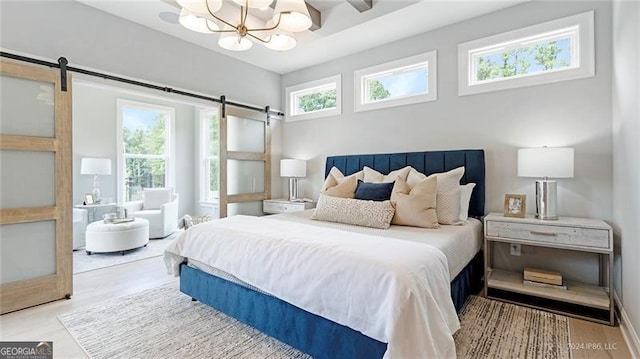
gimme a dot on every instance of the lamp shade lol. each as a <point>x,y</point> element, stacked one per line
<point>293,168</point>
<point>197,24</point>
<point>553,162</point>
<point>200,7</point>
<point>293,15</point>
<point>95,166</point>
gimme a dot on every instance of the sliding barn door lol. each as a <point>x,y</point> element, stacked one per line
<point>245,162</point>
<point>35,178</point>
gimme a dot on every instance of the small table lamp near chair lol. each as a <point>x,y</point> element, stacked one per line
<point>95,167</point>
<point>546,162</point>
<point>293,169</point>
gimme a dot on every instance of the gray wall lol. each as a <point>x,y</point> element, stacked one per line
<point>572,113</point>
<point>626,151</point>
<point>94,39</point>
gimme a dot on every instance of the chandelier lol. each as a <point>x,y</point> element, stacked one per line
<point>207,16</point>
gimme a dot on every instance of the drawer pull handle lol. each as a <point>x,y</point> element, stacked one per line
<point>544,233</point>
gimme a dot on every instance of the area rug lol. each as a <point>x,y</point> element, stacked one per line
<point>82,262</point>
<point>164,323</point>
<point>493,329</point>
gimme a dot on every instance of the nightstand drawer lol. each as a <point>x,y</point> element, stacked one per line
<point>588,237</point>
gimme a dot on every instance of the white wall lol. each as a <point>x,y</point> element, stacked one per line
<point>626,151</point>
<point>572,113</point>
<point>94,39</point>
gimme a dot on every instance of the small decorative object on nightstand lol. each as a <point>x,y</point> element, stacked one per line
<point>580,300</point>
<point>273,206</point>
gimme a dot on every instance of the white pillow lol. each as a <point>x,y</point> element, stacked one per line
<point>373,176</point>
<point>465,197</point>
<point>154,198</point>
<point>376,214</point>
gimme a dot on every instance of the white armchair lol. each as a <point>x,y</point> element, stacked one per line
<point>80,217</point>
<point>160,207</point>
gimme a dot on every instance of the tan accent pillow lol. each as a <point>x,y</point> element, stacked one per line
<point>415,206</point>
<point>335,177</point>
<point>344,189</point>
<point>448,192</point>
<point>373,176</point>
<point>376,214</point>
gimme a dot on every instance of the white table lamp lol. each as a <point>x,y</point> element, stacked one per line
<point>546,162</point>
<point>293,169</point>
<point>95,167</point>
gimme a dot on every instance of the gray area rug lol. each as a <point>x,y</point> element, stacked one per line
<point>164,323</point>
<point>82,262</point>
<point>493,329</point>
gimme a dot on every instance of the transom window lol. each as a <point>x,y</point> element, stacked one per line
<point>314,99</point>
<point>145,148</point>
<point>553,51</point>
<point>402,82</point>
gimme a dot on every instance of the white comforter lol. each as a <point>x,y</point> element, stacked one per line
<point>394,291</point>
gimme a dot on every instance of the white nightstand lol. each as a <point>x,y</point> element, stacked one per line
<point>581,300</point>
<point>272,206</point>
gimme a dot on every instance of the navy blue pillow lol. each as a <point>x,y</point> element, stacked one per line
<point>374,191</point>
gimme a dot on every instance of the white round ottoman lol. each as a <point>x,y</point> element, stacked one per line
<point>111,237</point>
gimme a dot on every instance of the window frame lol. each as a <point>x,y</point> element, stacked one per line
<point>292,91</point>
<point>204,156</point>
<point>582,43</point>
<point>430,59</point>
<point>169,156</point>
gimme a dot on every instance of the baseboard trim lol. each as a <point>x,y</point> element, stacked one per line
<point>628,332</point>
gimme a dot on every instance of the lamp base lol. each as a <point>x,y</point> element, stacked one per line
<point>546,200</point>
<point>293,188</point>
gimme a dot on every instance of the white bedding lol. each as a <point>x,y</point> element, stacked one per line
<point>458,243</point>
<point>394,291</point>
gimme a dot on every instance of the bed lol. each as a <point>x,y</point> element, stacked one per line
<point>316,334</point>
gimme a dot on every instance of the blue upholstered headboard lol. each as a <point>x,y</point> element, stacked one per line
<point>426,162</point>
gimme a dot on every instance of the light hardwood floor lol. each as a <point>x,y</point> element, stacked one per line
<point>40,323</point>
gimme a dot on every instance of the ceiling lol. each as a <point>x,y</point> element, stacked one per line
<point>344,29</point>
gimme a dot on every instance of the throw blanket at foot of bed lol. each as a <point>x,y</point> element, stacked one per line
<point>394,291</point>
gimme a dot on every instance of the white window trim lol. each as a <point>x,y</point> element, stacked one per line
<point>170,156</point>
<point>203,157</point>
<point>432,74</point>
<point>292,90</point>
<point>467,85</point>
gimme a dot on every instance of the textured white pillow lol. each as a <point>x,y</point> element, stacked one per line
<point>447,181</point>
<point>373,176</point>
<point>448,206</point>
<point>465,197</point>
<point>154,198</point>
<point>376,214</point>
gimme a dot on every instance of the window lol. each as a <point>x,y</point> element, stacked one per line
<point>209,156</point>
<point>549,52</point>
<point>145,148</point>
<point>314,99</point>
<point>397,83</point>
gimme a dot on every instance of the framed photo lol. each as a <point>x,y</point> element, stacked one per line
<point>515,205</point>
<point>89,198</point>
